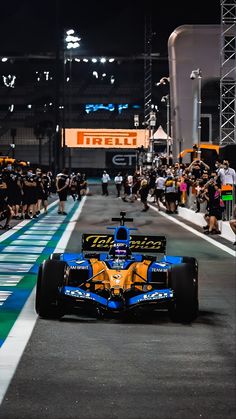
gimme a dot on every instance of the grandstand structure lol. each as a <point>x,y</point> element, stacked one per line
<point>41,95</point>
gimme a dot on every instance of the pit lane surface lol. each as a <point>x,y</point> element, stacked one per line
<point>87,368</point>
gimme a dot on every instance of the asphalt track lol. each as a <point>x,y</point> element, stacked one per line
<point>86,368</point>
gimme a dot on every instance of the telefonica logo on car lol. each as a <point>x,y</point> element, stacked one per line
<point>105,241</point>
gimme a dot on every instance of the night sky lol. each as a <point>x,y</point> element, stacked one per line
<point>106,27</point>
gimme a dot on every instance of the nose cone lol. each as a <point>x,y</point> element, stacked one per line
<point>114,304</point>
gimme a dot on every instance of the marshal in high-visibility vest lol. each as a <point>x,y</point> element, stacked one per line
<point>227,193</point>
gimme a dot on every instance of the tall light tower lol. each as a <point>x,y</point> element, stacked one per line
<point>228,73</point>
<point>166,100</point>
<point>197,74</point>
<point>152,124</point>
<point>70,43</point>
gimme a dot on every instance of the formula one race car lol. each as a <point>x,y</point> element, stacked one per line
<point>114,279</point>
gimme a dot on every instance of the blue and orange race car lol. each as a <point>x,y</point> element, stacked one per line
<point>116,274</point>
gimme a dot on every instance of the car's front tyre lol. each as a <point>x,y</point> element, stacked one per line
<point>184,282</point>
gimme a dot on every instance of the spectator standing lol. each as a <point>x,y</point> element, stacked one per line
<point>227,174</point>
<point>214,207</point>
<point>129,189</point>
<point>197,167</point>
<point>183,191</point>
<point>62,185</point>
<point>105,181</point>
<point>78,182</point>
<point>14,190</point>
<point>159,188</point>
<point>73,186</point>
<point>83,185</point>
<point>29,198</point>
<point>5,209</point>
<point>143,192</point>
<point>39,190</point>
<point>118,182</point>
<point>46,182</point>
<point>200,198</point>
<point>52,183</point>
<point>171,195</point>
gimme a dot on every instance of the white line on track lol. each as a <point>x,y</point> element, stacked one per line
<point>4,296</point>
<point>20,267</point>
<point>9,233</point>
<point>13,347</point>
<point>61,245</point>
<point>22,249</point>
<point>197,233</point>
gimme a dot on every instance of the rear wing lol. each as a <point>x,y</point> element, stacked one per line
<point>103,243</point>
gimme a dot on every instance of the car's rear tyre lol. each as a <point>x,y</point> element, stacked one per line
<point>50,279</point>
<point>192,261</point>
<point>55,256</point>
<point>184,282</point>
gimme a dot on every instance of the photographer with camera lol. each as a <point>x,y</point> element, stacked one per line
<point>197,168</point>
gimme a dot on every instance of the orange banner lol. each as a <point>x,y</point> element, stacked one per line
<point>106,138</point>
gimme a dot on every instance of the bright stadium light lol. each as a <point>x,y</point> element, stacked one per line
<point>163,80</point>
<point>72,40</point>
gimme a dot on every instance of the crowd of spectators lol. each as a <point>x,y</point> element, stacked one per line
<point>195,186</point>
<point>24,192</point>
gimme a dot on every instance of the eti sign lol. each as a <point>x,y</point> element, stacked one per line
<point>120,160</point>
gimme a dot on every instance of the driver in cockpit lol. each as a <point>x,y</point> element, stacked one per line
<point>120,251</point>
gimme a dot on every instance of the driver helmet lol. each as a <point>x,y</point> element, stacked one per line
<point>121,251</point>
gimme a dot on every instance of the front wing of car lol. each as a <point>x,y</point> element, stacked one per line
<point>78,296</point>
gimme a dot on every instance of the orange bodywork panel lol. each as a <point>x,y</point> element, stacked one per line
<point>117,279</point>
<point>140,274</point>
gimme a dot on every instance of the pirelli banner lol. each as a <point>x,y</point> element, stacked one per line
<point>106,138</point>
